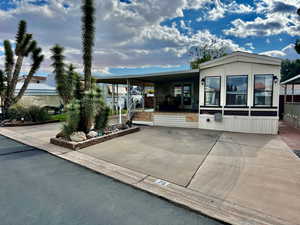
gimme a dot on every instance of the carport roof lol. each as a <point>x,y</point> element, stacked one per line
<point>150,78</point>
<point>293,80</point>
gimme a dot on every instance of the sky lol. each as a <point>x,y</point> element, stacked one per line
<point>146,36</point>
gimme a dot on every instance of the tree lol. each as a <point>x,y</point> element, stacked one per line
<point>88,36</point>
<point>65,77</point>
<point>297,46</point>
<point>25,46</point>
<point>206,53</point>
<point>289,68</point>
<point>87,106</point>
<point>2,87</point>
<point>72,81</point>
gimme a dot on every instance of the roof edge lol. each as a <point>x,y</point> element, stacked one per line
<point>275,60</point>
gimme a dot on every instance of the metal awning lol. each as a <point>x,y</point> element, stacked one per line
<point>293,80</point>
<point>150,78</point>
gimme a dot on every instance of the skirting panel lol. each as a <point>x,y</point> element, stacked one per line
<point>173,120</point>
<point>260,125</point>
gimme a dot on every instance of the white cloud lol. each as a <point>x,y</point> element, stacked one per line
<point>276,17</point>
<point>127,35</point>
<point>250,45</point>
<point>287,52</point>
<point>217,9</point>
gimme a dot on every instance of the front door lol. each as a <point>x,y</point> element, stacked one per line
<point>183,95</point>
<point>187,96</point>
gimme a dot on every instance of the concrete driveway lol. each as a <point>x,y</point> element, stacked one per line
<point>256,176</point>
<point>173,154</point>
<point>258,172</point>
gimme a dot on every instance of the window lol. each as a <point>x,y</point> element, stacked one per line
<point>263,90</point>
<point>236,90</point>
<point>177,91</point>
<point>212,91</point>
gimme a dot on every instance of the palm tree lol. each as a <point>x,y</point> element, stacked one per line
<point>88,36</point>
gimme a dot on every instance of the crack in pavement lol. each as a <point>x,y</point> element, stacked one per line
<point>203,161</point>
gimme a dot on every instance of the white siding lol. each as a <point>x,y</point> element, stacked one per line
<point>247,124</point>
<point>259,125</point>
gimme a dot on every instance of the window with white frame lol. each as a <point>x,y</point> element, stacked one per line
<point>263,90</point>
<point>212,91</point>
<point>237,90</point>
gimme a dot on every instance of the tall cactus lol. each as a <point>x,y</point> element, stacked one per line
<point>88,38</point>
<point>25,46</point>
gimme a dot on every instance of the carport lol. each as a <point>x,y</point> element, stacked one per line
<point>175,101</point>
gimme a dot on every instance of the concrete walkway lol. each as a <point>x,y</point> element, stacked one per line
<point>238,178</point>
<point>290,135</point>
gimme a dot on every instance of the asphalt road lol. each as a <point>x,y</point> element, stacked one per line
<point>37,188</point>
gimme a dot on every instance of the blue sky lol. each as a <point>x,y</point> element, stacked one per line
<point>145,36</point>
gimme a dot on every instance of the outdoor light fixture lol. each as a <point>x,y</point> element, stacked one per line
<point>202,81</point>
<point>275,79</point>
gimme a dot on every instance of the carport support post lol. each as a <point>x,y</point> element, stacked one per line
<point>143,94</point>
<point>128,98</point>
<point>293,89</point>
<point>285,92</point>
<point>113,98</point>
<point>119,108</point>
<point>117,96</point>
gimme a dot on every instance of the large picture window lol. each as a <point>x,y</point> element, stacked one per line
<point>263,90</point>
<point>237,90</point>
<point>212,91</point>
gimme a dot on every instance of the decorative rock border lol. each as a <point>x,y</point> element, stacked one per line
<point>79,145</point>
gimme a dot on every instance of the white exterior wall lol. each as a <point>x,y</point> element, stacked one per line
<point>248,124</point>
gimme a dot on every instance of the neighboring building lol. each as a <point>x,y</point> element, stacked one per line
<point>39,94</point>
<point>34,79</point>
<point>238,92</point>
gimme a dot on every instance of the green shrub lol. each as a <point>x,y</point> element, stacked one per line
<point>101,119</point>
<point>72,118</point>
<point>38,114</point>
<point>18,112</point>
<point>33,113</point>
<point>60,117</point>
